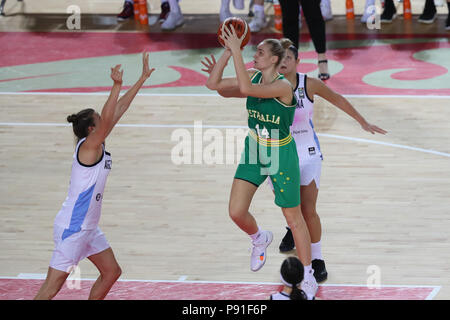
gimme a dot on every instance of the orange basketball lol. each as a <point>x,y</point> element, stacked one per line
<point>240,26</point>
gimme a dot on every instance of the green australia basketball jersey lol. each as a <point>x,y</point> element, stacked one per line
<point>269,119</point>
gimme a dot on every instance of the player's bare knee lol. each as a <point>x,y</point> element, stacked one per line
<point>309,212</point>
<point>235,213</point>
<point>112,274</point>
<point>116,273</point>
<point>294,224</point>
<point>292,219</point>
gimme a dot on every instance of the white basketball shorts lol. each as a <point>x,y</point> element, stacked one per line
<point>78,246</point>
<point>309,172</point>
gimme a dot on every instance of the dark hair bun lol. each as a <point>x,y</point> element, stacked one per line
<point>72,118</point>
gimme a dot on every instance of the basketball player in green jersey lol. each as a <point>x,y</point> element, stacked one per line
<point>269,148</point>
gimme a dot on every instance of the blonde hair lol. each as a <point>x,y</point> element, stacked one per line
<point>278,47</point>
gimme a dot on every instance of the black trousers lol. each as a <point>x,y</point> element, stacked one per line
<point>313,17</point>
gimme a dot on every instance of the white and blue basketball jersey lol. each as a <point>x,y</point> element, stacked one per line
<point>280,296</point>
<point>82,208</point>
<point>302,128</point>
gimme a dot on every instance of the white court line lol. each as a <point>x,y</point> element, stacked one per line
<point>101,94</point>
<point>205,95</point>
<point>33,276</point>
<point>38,276</point>
<point>44,124</point>
<point>182,279</point>
<point>385,144</point>
<point>433,293</point>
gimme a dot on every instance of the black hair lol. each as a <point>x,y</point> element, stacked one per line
<point>294,50</point>
<point>81,122</point>
<point>292,272</point>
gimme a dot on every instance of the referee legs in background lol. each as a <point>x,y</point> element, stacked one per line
<point>316,26</point>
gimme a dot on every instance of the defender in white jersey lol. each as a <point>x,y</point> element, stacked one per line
<point>76,233</point>
<point>82,207</point>
<point>309,152</point>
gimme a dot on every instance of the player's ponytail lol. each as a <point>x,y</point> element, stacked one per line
<point>298,294</point>
<point>292,273</point>
<point>81,122</point>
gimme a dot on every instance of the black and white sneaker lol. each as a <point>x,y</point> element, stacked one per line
<point>287,243</point>
<point>389,12</point>
<point>127,12</point>
<point>320,272</point>
<point>429,13</point>
<point>165,10</point>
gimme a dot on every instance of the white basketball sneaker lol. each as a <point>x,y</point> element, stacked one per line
<point>260,245</point>
<point>325,8</point>
<point>173,21</point>
<point>259,22</point>
<point>309,286</point>
<point>369,10</point>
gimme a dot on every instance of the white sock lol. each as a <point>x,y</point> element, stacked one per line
<point>316,251</point>
<point>255,235</point>
<point>174,6</point>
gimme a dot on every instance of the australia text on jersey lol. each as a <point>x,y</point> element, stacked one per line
<point>265,118</point>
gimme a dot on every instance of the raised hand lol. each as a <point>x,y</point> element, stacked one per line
<point>116,74</point>
<point>230,38</point>
<point>372,128</point>
<point>146,71</point>
<point>209,64</point>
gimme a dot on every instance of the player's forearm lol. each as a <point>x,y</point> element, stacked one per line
<point>109,108</point>
<point>243,79</point>
<point>125,101</point>
<point>216,75</point>
<point>348,108</point>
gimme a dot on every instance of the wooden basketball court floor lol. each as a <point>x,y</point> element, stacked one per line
<point>383,200</point>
